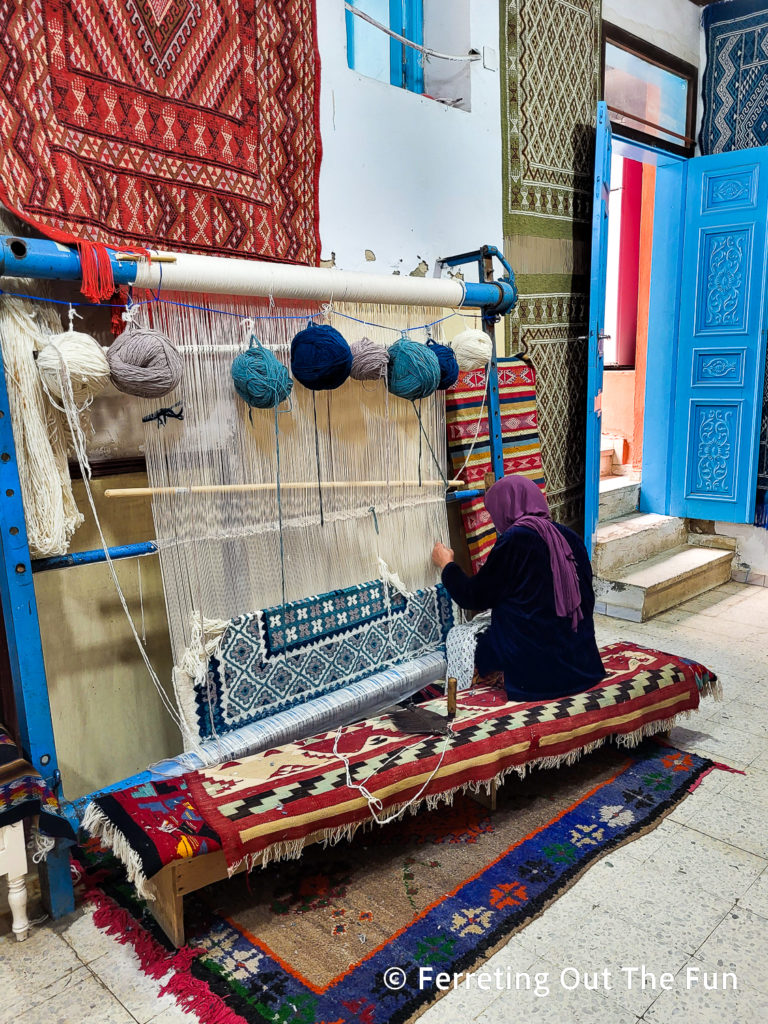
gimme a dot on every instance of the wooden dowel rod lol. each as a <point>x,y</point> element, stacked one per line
<point>151,492</point>
<point>451,696</point>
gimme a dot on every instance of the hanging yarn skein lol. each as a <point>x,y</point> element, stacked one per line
<point>414,370</point>
<point>81,357</point>
<point>369,360</point>
<point>260,378</point>
<point>145,363</point>
<point>320,358</point>
<point>473,349</point>
<point>449,367</point>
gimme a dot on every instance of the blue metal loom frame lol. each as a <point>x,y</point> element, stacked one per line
<point>42,259</point>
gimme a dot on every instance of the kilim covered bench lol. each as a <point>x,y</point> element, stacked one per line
<point>177,835</point>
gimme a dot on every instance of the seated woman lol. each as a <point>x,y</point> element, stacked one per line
<point>537,581</point>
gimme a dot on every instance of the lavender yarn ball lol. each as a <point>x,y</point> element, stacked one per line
<point>369,360</point>
<point>144,363</point>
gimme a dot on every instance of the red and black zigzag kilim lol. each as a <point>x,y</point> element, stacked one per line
<point>165,123</point>
<point>469,441</point>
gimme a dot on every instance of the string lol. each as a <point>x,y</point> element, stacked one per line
<point>431,449</point>
<point>324,311</point>
<point>317,461</point>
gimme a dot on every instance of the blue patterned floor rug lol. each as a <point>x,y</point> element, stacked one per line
<point>357,933</point>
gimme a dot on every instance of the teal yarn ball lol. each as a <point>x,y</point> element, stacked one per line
<point>320,358</point>
<point>414,370</point>
<point>260,378</point>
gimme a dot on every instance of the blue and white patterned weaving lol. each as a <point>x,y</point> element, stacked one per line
<point>280,657</point>
<point>735,87</point>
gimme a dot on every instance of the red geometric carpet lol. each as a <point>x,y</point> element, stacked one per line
<point>166,123</point>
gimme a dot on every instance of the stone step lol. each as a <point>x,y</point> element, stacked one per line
<point>634,538</point>
<point>666,579</point>
<point>618,497</point>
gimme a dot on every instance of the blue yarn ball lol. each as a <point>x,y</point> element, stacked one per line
<point>260,378</point>
<point>414,370</point>
<point>320,358</point>
<point>449,367</point>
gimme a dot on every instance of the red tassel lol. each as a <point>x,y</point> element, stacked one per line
<point>118,302</point>
<point>189,992</point>
<point>96,267</point>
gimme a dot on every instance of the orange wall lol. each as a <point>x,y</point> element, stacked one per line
<point>619,404</point>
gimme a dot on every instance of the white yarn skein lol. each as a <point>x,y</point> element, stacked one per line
<point>85,361</point>
<point>473,349</point>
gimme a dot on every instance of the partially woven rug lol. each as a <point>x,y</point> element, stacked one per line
<point>466,411</point>
<point>310,941</point>
<point>189,126</point>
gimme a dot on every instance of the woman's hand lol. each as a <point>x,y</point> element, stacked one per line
<point>441,555</point>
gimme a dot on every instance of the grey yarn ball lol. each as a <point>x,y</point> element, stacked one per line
<point>369,360</point>
<point>145,363</point>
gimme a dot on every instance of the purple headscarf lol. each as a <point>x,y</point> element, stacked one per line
<point>518,501</point>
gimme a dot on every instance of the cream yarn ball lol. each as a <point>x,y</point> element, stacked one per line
<point>473,349</point>
<point>85,362</point>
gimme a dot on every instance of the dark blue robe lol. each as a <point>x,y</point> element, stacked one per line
<point>541,656</point>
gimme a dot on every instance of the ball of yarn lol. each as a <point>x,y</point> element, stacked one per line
<point>369,360</point>
<point>260,378</point>
<point>473,349</point>
<point>449,367</point>
<point>85,362</point>
<point>144,363</point>
<point>414,370</point>
<point>320,358</point>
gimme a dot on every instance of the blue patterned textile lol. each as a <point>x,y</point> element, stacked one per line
<point>735,87</point>
<point>276,658</point>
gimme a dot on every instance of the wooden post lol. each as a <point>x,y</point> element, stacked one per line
<point>488,481</point>
<point>451,696</point>
<point>168,906</point>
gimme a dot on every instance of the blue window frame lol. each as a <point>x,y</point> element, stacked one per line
<point>375,54</point>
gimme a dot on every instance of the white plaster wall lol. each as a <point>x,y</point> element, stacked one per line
<point>751,546</point>
<point>403,176</point>
<point>672,25</point>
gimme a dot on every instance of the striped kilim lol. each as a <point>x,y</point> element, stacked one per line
<point>24,793</point>
<point>469,441</point>
<point>285,795</point>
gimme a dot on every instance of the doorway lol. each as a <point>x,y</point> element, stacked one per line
<point>627,301</point>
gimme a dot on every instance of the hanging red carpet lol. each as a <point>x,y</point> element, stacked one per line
<point>164,123</point>
<point>469,441</point>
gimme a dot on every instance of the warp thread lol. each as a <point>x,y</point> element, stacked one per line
<point>449,367</point>
<point>369,360</point>
<point>83,360</point>
<point>260,378</point>
<point>414,370</point>
<point>321,359</point>
<point>473,349</point>
<point>145,363</point>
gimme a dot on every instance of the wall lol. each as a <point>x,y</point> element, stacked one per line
<point>403,177</point>
<point>672,25</point>
<point>751,548</point>
<point>108,720</point>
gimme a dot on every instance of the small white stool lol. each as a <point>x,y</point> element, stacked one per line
<point>13,863</point>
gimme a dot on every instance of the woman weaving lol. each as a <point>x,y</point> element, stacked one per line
<point>537,581</point>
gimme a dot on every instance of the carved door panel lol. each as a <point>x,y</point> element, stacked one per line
<point>599,260</point>
<point>721,341</point>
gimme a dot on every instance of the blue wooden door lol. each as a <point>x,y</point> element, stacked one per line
<point>721,340</point>
<point>600,198</point>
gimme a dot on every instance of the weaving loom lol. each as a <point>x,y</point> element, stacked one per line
<point>287,581</point>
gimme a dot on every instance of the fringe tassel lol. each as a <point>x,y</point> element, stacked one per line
<point>96,823</point>
<point>191,994</point>
<point>98,283</point>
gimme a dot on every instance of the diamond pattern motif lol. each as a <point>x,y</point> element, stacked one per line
<point>276,658</point>
<point>190,126</point>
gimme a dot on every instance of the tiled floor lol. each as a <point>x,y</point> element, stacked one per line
<point>689,901</point>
